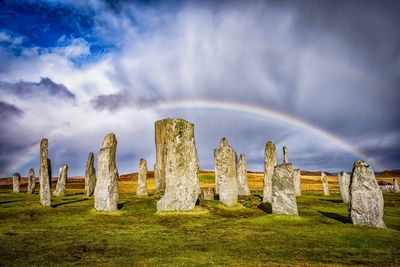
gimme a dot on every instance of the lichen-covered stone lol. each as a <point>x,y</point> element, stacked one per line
<point>45,174</point>
<point>285,154</point>
<point>283,191</point>
<point>270,162</point>
<point>344,184</point>
<point>16,182</point>
<point>243,186</point>
<point>325,184</point>
<point>106,191</point>
<point>182,187</point>
<point>31,181</point>
<point>396,188</point>
<point>161,153</point>
<point>62,181</point>
<point>207,193</point>
<point>366,198</point>
<point>225,159</point>
<point>90,175</point>
<point>297,182</point>
<point>142,177</point>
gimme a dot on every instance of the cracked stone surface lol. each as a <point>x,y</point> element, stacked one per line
<point>243,186</point>
<point>62,181</point>
<point>283,191</point>
<point>45,174</point>
<point>344,184</point>
<point>90,175</point>
<point>270,162</point>
<point>142,177</point>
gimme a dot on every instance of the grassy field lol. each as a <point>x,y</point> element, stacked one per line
<point>72,233</point>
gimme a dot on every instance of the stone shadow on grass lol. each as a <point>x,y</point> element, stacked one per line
<point>68,202</point>
<point>266,207</point>
<point>332,200</point>
<point>335,216</point>
<point>10,201</point>
<point>121,205</point>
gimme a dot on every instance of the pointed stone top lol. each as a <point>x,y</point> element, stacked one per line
<point>44,140</point>
<point>109,140</point>
<point>269,142</point>
<point>141,160</point>
<point>242,156</point>
<point>359,163</point>
<point>91,154</point>
<point>16,174</point>
<point>322,173</point>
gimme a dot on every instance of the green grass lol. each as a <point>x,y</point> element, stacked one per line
<point>207,178</point>
<point>71,232</point>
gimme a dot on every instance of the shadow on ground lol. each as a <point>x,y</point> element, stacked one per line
<point>266,207</point>
<point>335,216</point>
<point>68,202</point>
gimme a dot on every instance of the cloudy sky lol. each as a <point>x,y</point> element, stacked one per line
<point>322,77</point>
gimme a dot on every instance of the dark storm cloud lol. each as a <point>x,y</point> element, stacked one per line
<point>113,102</point>
<point>30,89</point>
<point>8,110</point>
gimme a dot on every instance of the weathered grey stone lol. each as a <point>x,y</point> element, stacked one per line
<point>270,162</point>
<point>386,188</point>
<point>325,184</point>
<point>396,188</point>
<point>90,175</point>
<point>62,181</point>
<point>283,191</point>
<point>243,186</point>
<point>225,159</point>
<point>344,184</point>
<point>285,155</point>
<point>182,168</point>
<point>106,191</point>
<point>366,198</point>
<point>161,153</point>
<point>207,193</point>
<point>31,181</point>
<point>45,174</point>
<point>16,182</point>
<point>142,177</point>
<point>297,182</point>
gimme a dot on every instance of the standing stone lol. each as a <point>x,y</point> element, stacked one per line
<point>161,153</point>
<point>182,187</point>
<point>207,193</point>
<point>366,198</point>
<point>243,186</point>
<point>226,173</point>
<point>142,177</point>
<point>90,175</point>
<point>285,155</point>
<point>106,190</point>
<point>45,174</point>
<point>62,181</point>
<point>344,184</point>
<point>325,184</point>
<point>396,188</point>
<point>283,191</point>
<point>269,165</point>
<point>16,182</point>
<point>297,182</point>
<point>31,181</point>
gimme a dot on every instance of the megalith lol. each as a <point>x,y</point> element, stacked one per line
<point>31,181</point>
<point>396,188</point>
<point>325,184</point>
<point>226,183</point>
<point>142,177</point>
<point>270,162</point>
<point>161,127</point>
<point>243,186</point>
<point>283,190</point>
<point>297,182</point>
<point>285,154</point>
<point>106,191</point>
<point>207,193</point>
<point>62,181</point>
<point>16,182</point>
<point>366,198</point>
<point>45,174</point>
<point>182,187</point>
<point>344,184</point>
<point>90,175</point>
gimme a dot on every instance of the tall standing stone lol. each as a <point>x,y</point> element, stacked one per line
<point>106,191</point>
<point>142,177</point>
<point>283,191</point>
<point>62,181</point>
<point>16,182</point>
<point>396,188</point>
<point>344,184</point>
<point>90,175</point>
<point>325,184</point>
<point>161,153</point>
<point>366,198</point>
<point>297,182</point>
<point>182,187</point>
<point>225,159</point>
<point>269,165</point>
<point>243,186</point>
<point>285,154</point>
<point>45,174</point>
<point>31,181</point>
